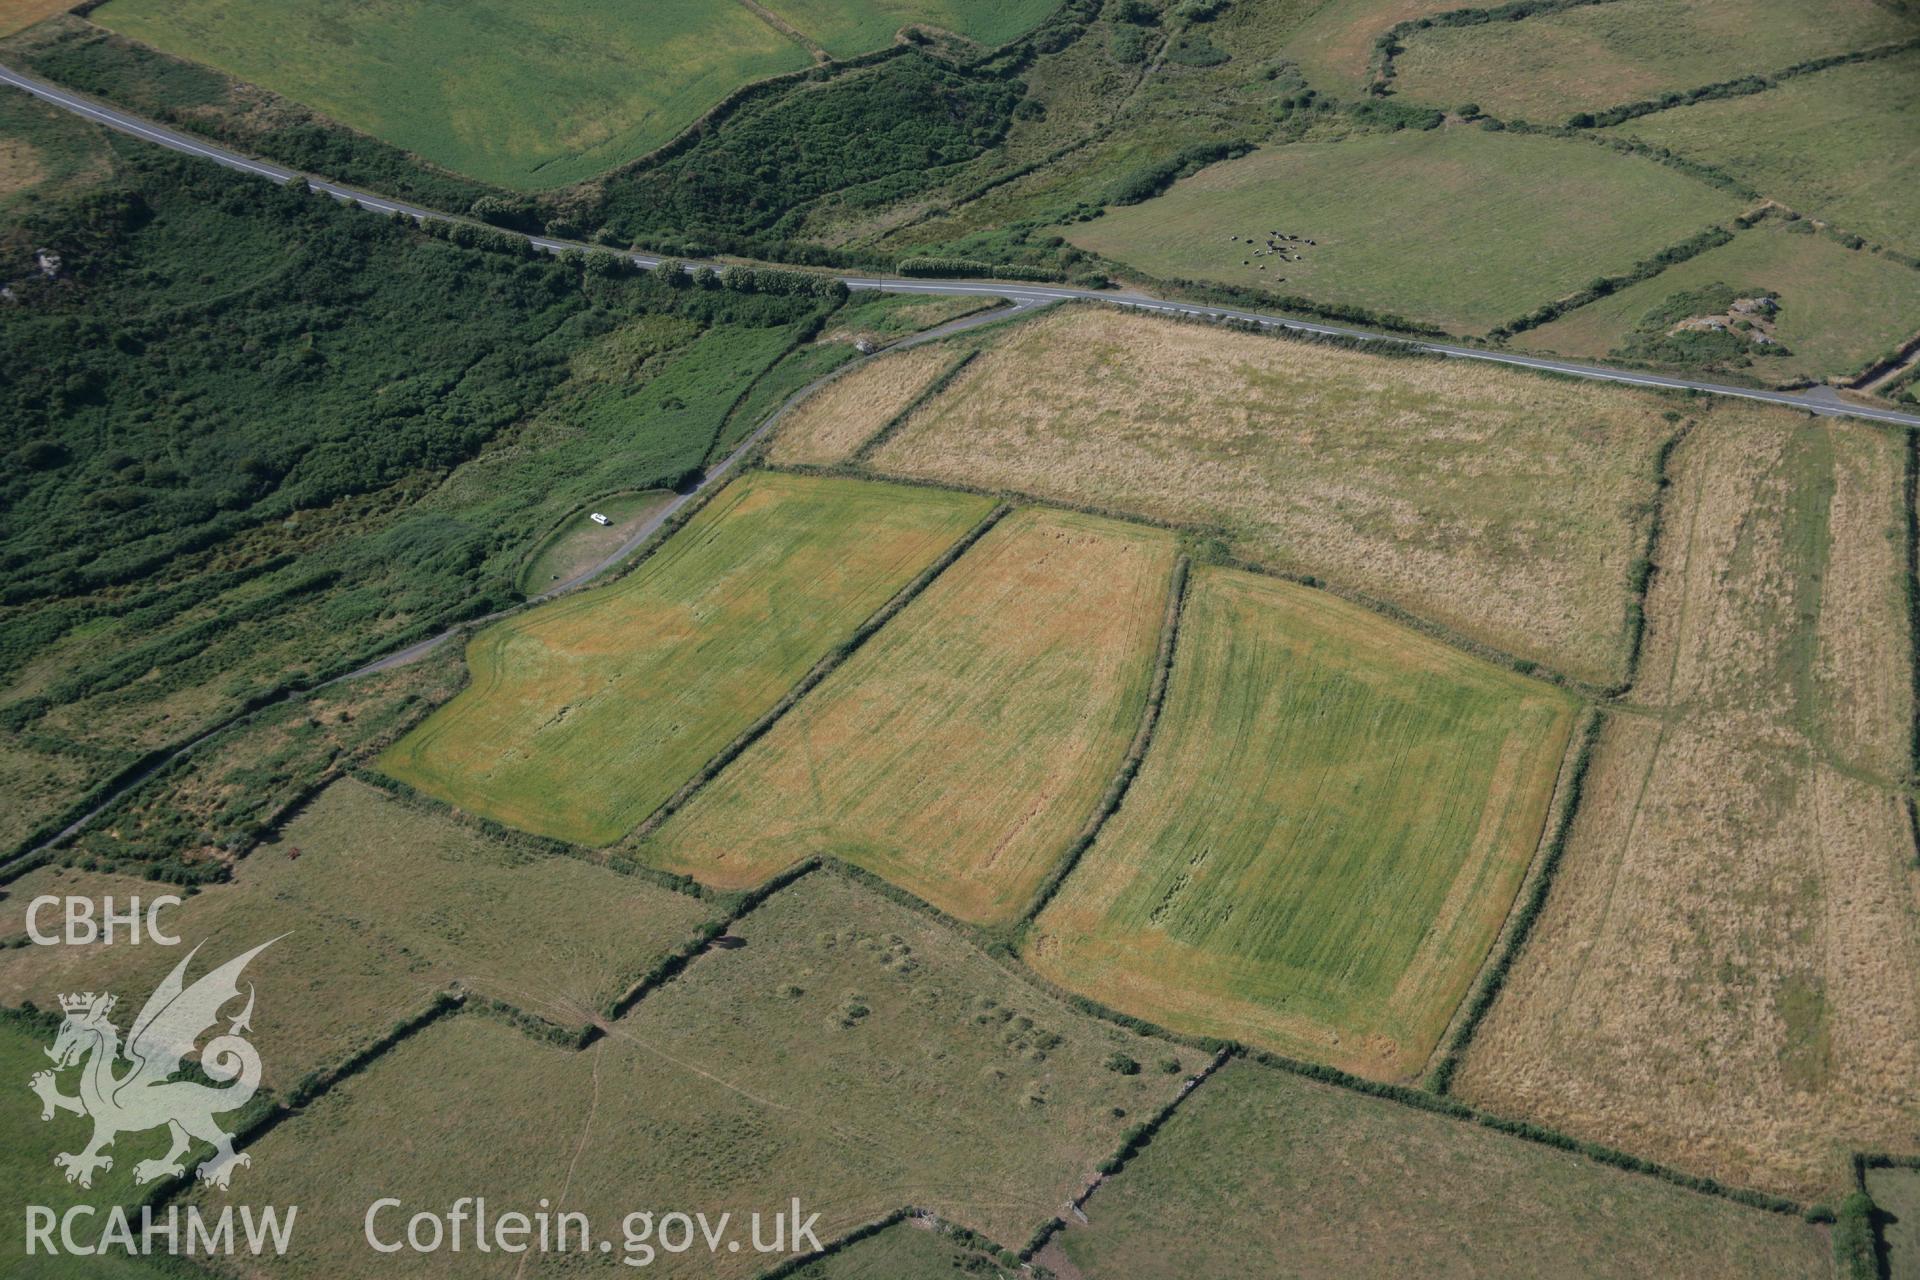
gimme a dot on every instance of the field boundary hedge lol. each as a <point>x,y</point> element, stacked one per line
<point>1122,781</point>
<point>1215,534</point>
<point>1131,1142</point>
<point>674,963</point>
<point>825,667</point>
<point>1526,911</point>
<point>1738,87</point>
<point>1645,567</point>
<point>1389,45</point>
<point>1606,286</point>
<point>891,427</point>
<point>1910,501</point>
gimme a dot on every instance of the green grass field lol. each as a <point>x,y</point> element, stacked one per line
<point>522,95</point>
<point>528,96</point>
<point>846,29</point>
<point>585,714</point>
<point>1597,56</point>
<point>1261,1166</point>
<point>1896,1194</point>
<point>850,1052</point>
<point>27,1148</point>
<point>45,152</point>
<point>1455,227</point>
<point>384,906</point>
<point>1326,834</point>
<point>1840,307</point>
<point>917,1249</point>
<point>1835,145</point>
<point>960,750</point>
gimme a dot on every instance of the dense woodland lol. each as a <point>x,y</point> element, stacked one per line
<point>734,184</point>
<point>253,436</point>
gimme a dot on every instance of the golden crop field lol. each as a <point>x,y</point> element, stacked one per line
<point>585,714</point>
<point>1723,976</point>
<point>1502,505</point>
<point>960,751</point>
<point>1326,835</point>
<point>832,423</point>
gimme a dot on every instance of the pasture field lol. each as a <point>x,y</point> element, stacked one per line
<point>959,751</point>
<point>1828,145</point>
<point>1272,1174</point>
<point>1324,839</point>
<point>522,95</point>
<point>1504,506</point>
<point>27,1147</point>
<point>1722,977</point>
<point>833,422</point>
<point>583,715</point>
<point>1896,1194</point>
<point>1840,308</point>
<point>881,318</point>
<point>1454,226</point>
<point>17,15</point>
<point>579,544</point>
<point>1592,57</point>
<point>850,1051</point>
<point>384,905</point>
<point>846,29</point>
<point>917,1249</point>
<point>1334,45</point>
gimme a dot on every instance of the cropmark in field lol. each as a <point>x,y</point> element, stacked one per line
<point>1326,834</point>
<point>960,750</point>
<point>584,715</point>
<point>1722,978</point>
<point>1505,506</point>
<point>847,1050</point>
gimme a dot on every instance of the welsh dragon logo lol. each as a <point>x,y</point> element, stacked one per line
<point>131,1089</point>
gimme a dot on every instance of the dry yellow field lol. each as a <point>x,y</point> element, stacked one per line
<point>832,423</point>
<point>1328,829</point>
<point>960,751</point>
<point>17,15</point>
<point>586,713</point>
<point>1723,978</point>
<point>1502,505</point>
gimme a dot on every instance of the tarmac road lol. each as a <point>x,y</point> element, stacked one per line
<point>1818,400</point>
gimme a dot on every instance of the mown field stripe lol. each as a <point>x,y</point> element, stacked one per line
<point>1136,751</point>
<point>927,393</point>
<point>1526,912</point>
<point>820,671</point>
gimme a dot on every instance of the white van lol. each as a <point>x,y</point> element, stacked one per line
<point>598,518</point>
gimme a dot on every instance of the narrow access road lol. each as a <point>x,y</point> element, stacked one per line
<point>1816,400</point>
<point>421,648</point>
